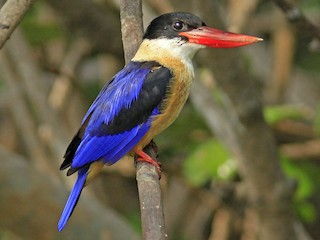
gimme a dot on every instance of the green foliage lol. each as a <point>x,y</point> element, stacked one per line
<point>209,160</point>
<point>308,60</point>
<point>312,5</point>
<point>277,113</point>
<point>306,210</point>
<point>7,235</point>
<point>307,176</point>
<point>300,172</point>
<point>37,30</point>
<point>186,133</point>
<point>134,219</point>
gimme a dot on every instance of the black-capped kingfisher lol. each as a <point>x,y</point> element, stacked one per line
<point>143,99</point>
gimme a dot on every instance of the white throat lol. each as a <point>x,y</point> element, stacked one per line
<point>151,50</point>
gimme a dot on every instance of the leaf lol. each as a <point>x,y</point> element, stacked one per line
<point>274,114</point>
<point>306,185</point>
<point>37,30</point>
<point>209,160</point>
<point>306,210</point>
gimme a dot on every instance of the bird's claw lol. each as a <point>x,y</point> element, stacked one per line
<point>154,163</point>
<point>144,157</point>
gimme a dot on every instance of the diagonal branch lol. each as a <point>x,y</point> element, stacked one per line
<point>11,14</point>
<point>296,17</point>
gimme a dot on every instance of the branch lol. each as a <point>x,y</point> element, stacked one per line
<point>31,80</point>
<point>22,117</point>
<point>296,17</point>
<point>152,217</point>
<point>131,26</point>
<point>11,14</point>
<point>305,150</point>
<point>62,86</point>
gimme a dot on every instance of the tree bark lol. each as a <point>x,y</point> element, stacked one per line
<point>11,13</point>
<point>152,217</point>
<point>298,19</point>
<point>131,27</point>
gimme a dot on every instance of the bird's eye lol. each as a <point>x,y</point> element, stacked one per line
<point>178,25</point>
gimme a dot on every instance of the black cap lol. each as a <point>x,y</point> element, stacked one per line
<point>170,24</point>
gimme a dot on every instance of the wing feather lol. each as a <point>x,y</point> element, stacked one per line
<point>120,116</point>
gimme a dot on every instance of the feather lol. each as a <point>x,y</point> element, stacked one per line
<point>73,198</point>
<point>120,115</point>
<point>115,122</point>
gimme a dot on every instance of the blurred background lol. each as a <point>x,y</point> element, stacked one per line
<point>62,54</point>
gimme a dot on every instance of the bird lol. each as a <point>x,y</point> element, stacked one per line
<point>142,99</point>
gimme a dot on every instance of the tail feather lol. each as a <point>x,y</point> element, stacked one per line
<point>73,198</point>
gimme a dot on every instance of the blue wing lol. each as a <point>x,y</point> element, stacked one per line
<point>116,121</point>
<point>120,116</point>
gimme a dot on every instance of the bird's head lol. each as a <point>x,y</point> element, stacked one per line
<point>187,32</point>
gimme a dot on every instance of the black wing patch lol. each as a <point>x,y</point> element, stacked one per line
<point>153,91</point>
<point>73,146</point>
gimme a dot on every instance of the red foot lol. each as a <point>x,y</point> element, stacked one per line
<point>146,158</point>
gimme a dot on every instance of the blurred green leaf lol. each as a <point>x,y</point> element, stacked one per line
<point>307,177</point>
<point>311,5</point>
<point>37,30</point>
<point>135,221</point>
<point>306,210</point>
<point>300,173</point>
<point>186,133</point>
<point>209,160</point>
<point>274,114</point>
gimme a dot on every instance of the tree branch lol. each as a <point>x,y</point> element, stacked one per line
<point>296,17</point>
<point>31,79</point>
<point>22,117</point>
<point>152,217</point>
<point>131,27</point>
<point>11,14</point>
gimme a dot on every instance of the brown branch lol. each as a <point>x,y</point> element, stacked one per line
<point>11,14</point>
<point>131,27</point>
<point>304,150</point>
<point>152,217</point>
<point>32,82</point>
<point>22,117</point>
<point>221,225</point>
<point>297,18</point>
<point>62,86</point>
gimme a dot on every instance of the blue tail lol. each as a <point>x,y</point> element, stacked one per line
<point>73,198</point>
